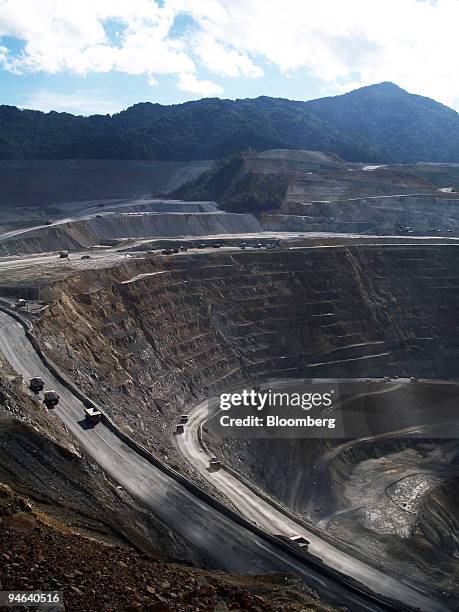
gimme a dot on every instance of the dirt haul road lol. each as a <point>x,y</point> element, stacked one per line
<point>274,521</point>
<point>227,544</point>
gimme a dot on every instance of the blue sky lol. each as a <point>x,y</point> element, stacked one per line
<point>100,56</point>
<point>113,91</point>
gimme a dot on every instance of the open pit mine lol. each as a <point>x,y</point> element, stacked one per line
<point>124,314</point>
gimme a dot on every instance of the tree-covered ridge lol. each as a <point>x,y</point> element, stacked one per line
<point>212,184</point>
<point>256,193</point>
<point>380,123</point>
<point>234,189</point>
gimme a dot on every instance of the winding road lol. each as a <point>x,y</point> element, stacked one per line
<point>229,545</point>
<point>274,521</point>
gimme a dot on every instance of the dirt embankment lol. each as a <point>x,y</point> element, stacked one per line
<point>39,553</point>
<point>315,192</point>
<point>86,233</point>
<point>423,214</point>
<point>41,460</point>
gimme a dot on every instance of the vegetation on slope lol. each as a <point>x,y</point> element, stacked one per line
<point>235,190</point>
<point>256,193</point>
<point>380,123</point>
<point>210,185</point>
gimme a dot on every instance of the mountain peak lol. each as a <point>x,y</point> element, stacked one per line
<point>386,87</point>
<point>380,123</point>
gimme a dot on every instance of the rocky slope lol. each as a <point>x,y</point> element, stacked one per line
<point>39,553</point>
<point>65,526</point>
<point>41,460</point>
<point>81,234</point>
<point>310,191</point>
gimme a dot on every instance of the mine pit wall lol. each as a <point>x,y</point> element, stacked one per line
<point>424,213</point>
<point>439,518</point>
<point>146,338</point>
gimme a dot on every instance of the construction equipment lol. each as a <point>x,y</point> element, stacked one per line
<point>36,384</point>
<point>92,415</point>
<point>20,304</point>
<point>51,398</point>
<point>179,429</point>
<point>63,254</point>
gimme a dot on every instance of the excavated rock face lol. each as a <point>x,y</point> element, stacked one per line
<point>147,338</point>
<point>162,325</point>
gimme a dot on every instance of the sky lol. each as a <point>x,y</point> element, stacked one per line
<point>101,56</point>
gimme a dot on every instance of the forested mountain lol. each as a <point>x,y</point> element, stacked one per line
<point>380,123</point>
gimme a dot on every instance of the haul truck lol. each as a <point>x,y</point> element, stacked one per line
<point>51,398</point>
<point>92,415</point>
<point>36,384</point>
<point>215,464</point>
<point>300,541</point>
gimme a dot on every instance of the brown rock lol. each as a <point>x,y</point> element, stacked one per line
<point>76,590</point>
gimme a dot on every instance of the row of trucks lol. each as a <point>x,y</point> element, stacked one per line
<point>65,255</point>
<point>217,245</point>
<point>270,246</point>
<point>214,463</point>
<point>51,399</point>
<point>183,248</point>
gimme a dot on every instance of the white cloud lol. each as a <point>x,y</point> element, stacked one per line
<point>72,37</point>
<point>80,102</point>
<point>222,60</point>
<point>189,82</point>
<point>411,42</point>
